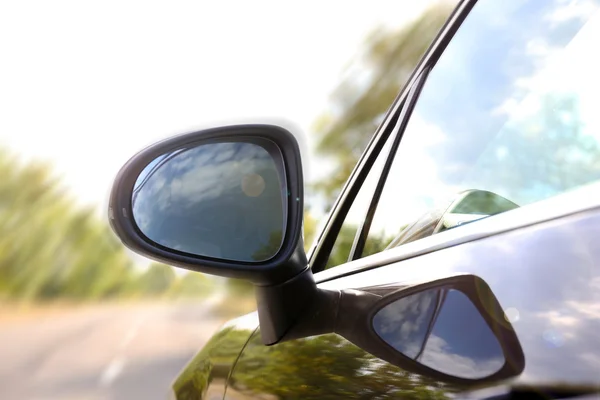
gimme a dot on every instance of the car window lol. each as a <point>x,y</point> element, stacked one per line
<point>508,117</point>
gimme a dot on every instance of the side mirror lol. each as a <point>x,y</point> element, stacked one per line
<point>226,201</point>
<point>452,329</point>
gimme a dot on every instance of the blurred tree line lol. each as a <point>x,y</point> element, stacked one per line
<point>51,248</point>
<point>360,101</point>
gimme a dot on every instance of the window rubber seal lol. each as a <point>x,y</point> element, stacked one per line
<point>397,133</point>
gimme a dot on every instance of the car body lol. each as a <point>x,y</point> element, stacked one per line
<point>540,259</point>
<point>543,263</point>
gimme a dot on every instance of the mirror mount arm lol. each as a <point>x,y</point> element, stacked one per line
<point>280,306</point>
<point>297,308</point>
<point>317,318</point>
<point>333,311</point>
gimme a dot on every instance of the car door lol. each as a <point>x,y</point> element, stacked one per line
<point>503,108</point>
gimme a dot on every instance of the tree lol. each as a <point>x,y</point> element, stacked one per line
<point>239,288</point>
<point>358,107</point>
<point>192,284</point>
<point>51,248</point>
<point>157,279</point>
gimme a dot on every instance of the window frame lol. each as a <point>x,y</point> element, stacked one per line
<point>398,132</point>
<point>322,245</point>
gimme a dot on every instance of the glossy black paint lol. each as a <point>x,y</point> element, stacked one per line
<point>546,277</point>
<point>479,310</point>
<point>205,376</point>
<point>428,327</point>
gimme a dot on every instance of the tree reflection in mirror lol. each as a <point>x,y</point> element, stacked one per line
<point>221,200</point>
<point>441,329</point>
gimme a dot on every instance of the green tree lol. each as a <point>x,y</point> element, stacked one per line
<point>49,247</point>
<point>239,288</point>
<point>157,279</point>
<point>358,104</point>
<point>192,284</point>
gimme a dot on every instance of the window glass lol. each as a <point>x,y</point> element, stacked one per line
<point>508,117</point>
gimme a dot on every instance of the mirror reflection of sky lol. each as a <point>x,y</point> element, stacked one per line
<point>443,330</point>
<point>404,323</point>
<point>218,200</point>
<point>511,102</point>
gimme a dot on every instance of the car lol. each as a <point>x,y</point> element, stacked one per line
<point>475,264</point>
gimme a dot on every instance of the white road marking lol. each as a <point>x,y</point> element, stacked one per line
<point>116,366</point>
<point>112,371</point>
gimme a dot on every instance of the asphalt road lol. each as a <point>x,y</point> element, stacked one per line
<point>103,352</point>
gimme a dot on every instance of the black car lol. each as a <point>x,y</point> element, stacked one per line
<point>474,270</point>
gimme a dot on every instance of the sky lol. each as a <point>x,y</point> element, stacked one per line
<point>84,85</point>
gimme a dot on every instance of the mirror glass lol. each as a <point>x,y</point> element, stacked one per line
<point>220,200</point>
<point>442,329</point>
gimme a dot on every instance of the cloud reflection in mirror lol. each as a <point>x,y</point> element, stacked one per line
<point>221,200</point>
<point>441,329</point>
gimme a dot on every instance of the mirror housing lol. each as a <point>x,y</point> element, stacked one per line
<point>352,313</point>
<point>285,264</point>
<point>452,329</point>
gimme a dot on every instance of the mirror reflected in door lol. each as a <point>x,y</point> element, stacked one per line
<point>442,329</point>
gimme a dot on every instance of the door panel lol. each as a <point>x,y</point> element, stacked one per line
<point>205,376</point>
<point>545,276</point>
<point>323,367</point>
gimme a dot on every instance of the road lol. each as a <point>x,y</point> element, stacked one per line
<point>102,352</point>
